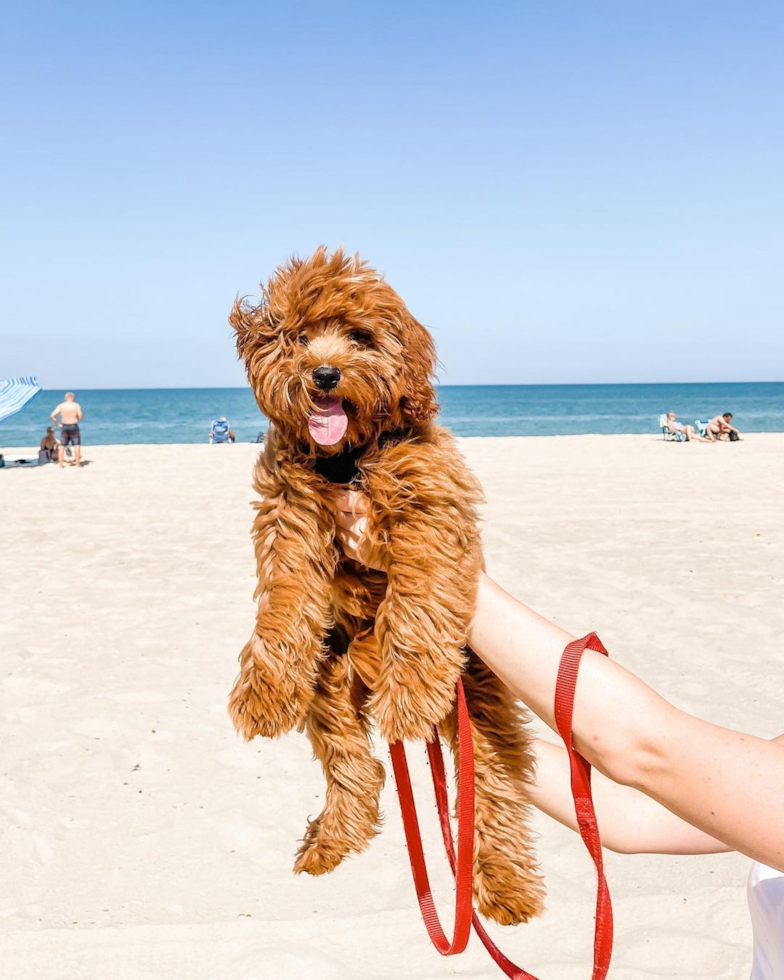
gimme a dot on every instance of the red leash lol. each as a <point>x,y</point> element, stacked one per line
<point>461,864</point>
<point>463,867</point>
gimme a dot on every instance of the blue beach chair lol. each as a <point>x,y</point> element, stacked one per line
<point>667,433</point>
<point>220,430</point>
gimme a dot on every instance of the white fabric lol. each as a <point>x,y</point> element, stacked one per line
<point>766,902</point>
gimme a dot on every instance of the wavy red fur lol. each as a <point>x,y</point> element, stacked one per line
<point>404,629</point>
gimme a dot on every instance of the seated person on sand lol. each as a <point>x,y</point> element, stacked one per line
<point>688,430</point>
<point>719,428</point>
<point>47,452</point>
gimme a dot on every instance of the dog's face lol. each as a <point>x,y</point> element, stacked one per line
<point>333,355</point>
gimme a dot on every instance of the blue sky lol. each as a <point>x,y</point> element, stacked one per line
<point>562,191</point>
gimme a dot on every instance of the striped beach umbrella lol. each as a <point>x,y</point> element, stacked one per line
<point>15,393</point>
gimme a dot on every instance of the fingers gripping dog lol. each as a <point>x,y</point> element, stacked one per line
<point>344,373</point>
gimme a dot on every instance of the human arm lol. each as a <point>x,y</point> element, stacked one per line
<point>727,784</point>
<point>630,822</point>
<point>53,416</point>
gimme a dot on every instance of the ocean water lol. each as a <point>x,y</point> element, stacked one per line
<point>177,415</point>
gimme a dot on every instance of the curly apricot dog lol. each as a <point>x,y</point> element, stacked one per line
<point>343,372</point>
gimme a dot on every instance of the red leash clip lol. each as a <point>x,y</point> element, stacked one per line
<point>461,864</point>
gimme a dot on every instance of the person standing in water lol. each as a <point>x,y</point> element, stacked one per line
<point>70,412</point>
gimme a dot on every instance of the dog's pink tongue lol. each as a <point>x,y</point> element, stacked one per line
<point>328,423</point>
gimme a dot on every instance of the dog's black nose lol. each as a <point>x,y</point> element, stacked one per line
<point>326,377</point>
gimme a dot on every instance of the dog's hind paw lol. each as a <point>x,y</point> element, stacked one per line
<point>508,886</point>
<point>319,855</point>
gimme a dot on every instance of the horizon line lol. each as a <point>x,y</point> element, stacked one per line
<point>493,384</point>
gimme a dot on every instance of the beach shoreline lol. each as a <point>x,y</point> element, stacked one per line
<point>637,438</point>
<point>144,838</point>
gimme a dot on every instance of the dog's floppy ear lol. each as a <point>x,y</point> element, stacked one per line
<point>419,403</point>
<point>251,324</point>
<point>241,319</point>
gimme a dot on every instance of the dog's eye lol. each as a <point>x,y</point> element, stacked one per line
<point>361,337</point>
<point>303,339</point>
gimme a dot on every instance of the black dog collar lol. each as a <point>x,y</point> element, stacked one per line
<point>342,467</point>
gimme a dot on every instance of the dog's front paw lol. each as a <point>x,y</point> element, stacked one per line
<point>263,702</point>
<point>408,709</point>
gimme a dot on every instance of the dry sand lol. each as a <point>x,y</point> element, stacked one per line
<point>142,839</point>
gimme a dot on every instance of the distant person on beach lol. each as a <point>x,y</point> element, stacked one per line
<point>49,446</point>
<point>70,412</point>
<point>220,431</point>
<point>719,429</point>
<point>688,430</point>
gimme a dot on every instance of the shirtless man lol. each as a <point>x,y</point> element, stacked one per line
<point>720,428</point>
<point>70,412</point>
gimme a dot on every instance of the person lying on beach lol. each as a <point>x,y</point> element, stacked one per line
<point>673,784</point>
<point>719,428</point>
<point>688,430</point>
<point>70,412</point>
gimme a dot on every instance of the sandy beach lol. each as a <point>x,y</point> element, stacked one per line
<point>141,839</point>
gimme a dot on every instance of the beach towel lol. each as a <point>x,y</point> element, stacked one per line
<point>11,463</point>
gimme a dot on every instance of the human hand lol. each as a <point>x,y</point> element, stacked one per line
<point>351,510</point>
